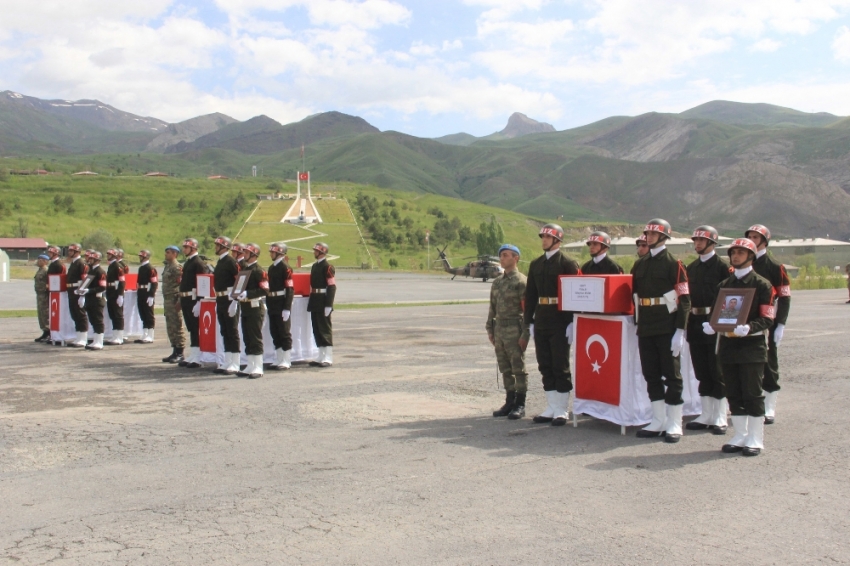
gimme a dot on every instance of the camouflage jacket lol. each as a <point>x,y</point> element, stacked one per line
<point>506,302</point>
<point>171,274</point>
<point>41,281</point>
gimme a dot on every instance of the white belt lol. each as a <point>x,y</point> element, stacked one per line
<point>319,291</point>
<point>145,287</point>
<point>114,284</point>
<point>277,293</point>
<point>73,285</point>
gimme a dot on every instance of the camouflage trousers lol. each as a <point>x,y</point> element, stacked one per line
<point>510,357</point>
<point>43,304</point>
<point>174,321</point>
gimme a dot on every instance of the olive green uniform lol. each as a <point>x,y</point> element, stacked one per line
<point>605,266</point>
<point>323,291</point>
<point>653,277</point>
<point>506,328</point>
<point>42,298</point>
<point>254,310</point>
<point>704,278</point>
<point>171,273</point>
<point>776,275</point>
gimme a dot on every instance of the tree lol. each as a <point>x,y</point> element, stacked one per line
<point>489,237</point>
<point>23,228</point>
<point>100,240</point>
<point>181,204</point>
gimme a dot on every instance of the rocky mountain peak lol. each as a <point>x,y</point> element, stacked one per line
<point>521,125</point>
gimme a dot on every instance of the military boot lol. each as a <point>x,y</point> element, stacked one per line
<point>45,336</point>
<point>510,397</point>
<point>519,407</point>
<point>173,358</point>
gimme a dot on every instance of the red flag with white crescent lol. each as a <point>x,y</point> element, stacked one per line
<point>598,346</point>
<point>304,176</point>
<point>55,302</point>
<point>207,326</point>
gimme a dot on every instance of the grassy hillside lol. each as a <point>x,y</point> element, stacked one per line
<point>758,114</point>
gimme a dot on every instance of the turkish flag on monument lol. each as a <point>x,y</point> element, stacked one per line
<point>55,304</point>
<point>598,348</point>
<point>303,176</point>
<point>207,328</point>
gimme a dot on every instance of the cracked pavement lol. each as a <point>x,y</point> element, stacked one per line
<point>391,457</point>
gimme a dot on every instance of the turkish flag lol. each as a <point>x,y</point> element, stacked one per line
<point>303,176</point>
<point>598,346</point>
<point>55,304</point>
<point>207,327</point>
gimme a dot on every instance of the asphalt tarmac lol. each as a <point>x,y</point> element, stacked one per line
<point>391,457</point>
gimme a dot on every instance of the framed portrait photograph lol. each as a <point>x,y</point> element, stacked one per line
<point>241,284</point>
<point>731,308</point>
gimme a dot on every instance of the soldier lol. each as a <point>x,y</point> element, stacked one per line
<point>847,272</point>
<point>42,297</point>
<point>77,270</point>
<point>320,304</point>
<point>279,301</point>
<point>192,267</point>
<point>704,276</point>
<point>663,305</point>
<point>600,264</point>
<point>775,273</point>
<point>91,298</point>
<point>640,244</point>
<point>238,251</point>
<point>743,352</point>
<point>171,274</point>
<point>54,267</point>
<point>224,276</point>
<point>508,332</point>
<point>253,312</point>
<point>550,326</point>
<point>115,280</point>
<point>148,281</point>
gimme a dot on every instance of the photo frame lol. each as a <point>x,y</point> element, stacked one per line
<point>731,308</point>
<point>240,285</point>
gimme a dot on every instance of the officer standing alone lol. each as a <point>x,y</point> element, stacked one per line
<point>508,332</point>
<point>253,312</point>
<point>171,273</point>
<point>148,282</point>
<point>320,304</point>
<point>551,326</point>
<point>279,301</point>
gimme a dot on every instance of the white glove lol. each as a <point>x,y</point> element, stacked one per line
<point>328,311</point>
<point>243,295</point>
<point>531,330</point>
<point>80,292</point>
<point>120,301</point>
<point>678,342</point>
<point>81,301</point>
<point>286,315</point>
<point>231,310</point>
<point>150,301</point>
<point>706,328</point>
<point>196,310</point>
<point>777,334</point>
<point>570,336</point>
<point>742,330</point>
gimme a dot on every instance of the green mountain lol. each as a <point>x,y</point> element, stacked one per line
<point>758,114</point>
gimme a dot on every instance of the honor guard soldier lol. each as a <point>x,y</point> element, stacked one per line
<point>238,251</point>
<point>662,309</point>
<point>54,267</point>
<point>279,301</point>
<point>704,276</point>
<point>116,273</point>
<point>148,281</point>
<point>42,297</point>
<point>171,273</point>
<point>253,312</point>
<point>550,325</point>
<point>92,299</point>
<point>320,304</point>
<point>224,276</point>
<point>640,244</point>
<point>600,264</point>
<point>743,352</point>
<point>77,270</point>
<point>508,332</point>
<point>192,267</point>
<point>775,273</point>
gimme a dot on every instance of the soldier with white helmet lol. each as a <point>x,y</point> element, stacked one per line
<point>320,304</point>
<point>279,301</point>
<point>598,244</point>
<point>743,352</point>
<point>147,284</point>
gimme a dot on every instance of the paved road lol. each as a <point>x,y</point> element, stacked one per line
<point>390,457</point>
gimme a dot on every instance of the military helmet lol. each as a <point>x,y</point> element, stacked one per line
<point>509,247</point>
<point>321,247</point>
<point>112,251</point>
<point>639,239</point>
<point>552,230</point>
<point>53,250</point>
<point>146,254</point>
<point>190,243</point>
<point>74,247</point>
<point>93,254</point>
<point>278,248</point>
<point>224,242</point>
<point>252,249</point>
<point>707,232</point>
<point>759,229</point>
<point>599,237</point>
<point>744,243</point>
<point>658,225</point>
<point>120,252</point>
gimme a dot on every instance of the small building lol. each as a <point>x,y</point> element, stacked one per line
<point>88,173</point>
<point>156,174</point>
<point>23,248</point>
<point>217,177</point>
<point>826,252</point>
<point>5,267</point>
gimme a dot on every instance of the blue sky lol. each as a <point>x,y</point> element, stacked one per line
<point>428,68</point>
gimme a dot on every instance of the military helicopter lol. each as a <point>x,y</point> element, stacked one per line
<point>484,267</point>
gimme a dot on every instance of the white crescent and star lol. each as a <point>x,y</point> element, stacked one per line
<point>204,318</point>
<point>594,339</point>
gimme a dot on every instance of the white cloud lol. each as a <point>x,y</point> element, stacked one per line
<point>841,44</point>
<point>766,45</point>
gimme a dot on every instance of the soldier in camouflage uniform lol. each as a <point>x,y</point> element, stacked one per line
<point>508,333</point>
<point>171,274</point>
<point>42,297</point>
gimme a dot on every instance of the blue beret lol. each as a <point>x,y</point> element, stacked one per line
<point>509,247</point>
<point>42,256</point>
<point>173,248</point>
